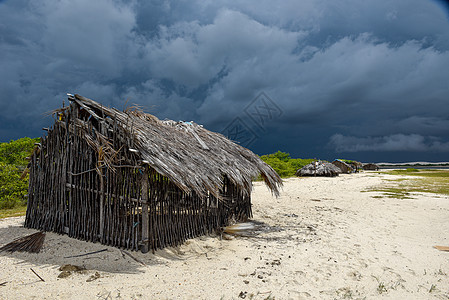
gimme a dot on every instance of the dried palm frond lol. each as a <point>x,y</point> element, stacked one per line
<point>31,243</point>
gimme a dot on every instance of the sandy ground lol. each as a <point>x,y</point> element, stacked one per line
<point>322,239</point>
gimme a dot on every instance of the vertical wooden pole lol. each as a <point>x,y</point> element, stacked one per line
<point>145,214</point>
<point>102,195</point>
<point>101,206</point>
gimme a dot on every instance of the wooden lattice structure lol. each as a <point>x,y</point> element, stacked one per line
<point>130,180</point>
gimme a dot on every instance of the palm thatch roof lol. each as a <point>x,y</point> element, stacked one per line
<point>356,165</point>
<point>193,158</point>
<point>343,166</point>
<point>319,168</point>
<point>370,166</point>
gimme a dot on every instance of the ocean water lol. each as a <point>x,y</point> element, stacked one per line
<point>415,167</point>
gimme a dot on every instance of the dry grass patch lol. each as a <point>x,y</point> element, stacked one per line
<point>13,212</point>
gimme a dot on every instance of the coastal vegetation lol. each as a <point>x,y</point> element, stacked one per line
<point>13,162</point>
<point>348,161</point>
<point>283,164</point>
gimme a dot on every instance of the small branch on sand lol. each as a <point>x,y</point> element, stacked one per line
<point>37,274</point>
<point>4,283</point>
<point>86,253</point>
<point>129,254</point>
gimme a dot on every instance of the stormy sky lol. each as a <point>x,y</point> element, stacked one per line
<point>367,80</point>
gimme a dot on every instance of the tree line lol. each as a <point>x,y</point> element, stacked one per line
<point>13,162</point>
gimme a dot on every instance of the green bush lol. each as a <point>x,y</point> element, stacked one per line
<point>283,164</point>
<point>12,188</point>
<point>12,163</point>
<point>15,152</point>
<point>348,161</point>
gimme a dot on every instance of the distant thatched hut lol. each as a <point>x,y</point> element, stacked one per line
<point>370,166</point>
<point>356,165</point>
<point>344,167</point>
<point>319,168</point>
<point>129,180</point>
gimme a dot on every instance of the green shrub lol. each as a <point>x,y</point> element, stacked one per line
<point>12,188</point>
<point>283,164</point>
<point>15,152</point>
<point>12,164</point>
<point>282,156</point>
<point>348,161</point>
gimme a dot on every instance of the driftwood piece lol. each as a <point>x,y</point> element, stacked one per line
<point>441,248</point>
<point>85,254</point>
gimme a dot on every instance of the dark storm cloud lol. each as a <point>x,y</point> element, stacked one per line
<point>49,55</point>
<point>370,74</point>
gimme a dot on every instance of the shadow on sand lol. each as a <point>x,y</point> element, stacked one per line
<point>58,249</point>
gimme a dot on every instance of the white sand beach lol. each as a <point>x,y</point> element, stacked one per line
<point>322,239</point>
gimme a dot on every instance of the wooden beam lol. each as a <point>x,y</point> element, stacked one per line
<point>90,111</point>
<point>69,186</point>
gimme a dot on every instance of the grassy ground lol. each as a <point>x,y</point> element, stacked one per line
<point>13,212</point>
<point>421,181</point>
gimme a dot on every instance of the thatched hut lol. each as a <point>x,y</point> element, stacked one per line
<point>356,165</point>
<point>344,167</point>
<point>128,179</point>
<point>319,168</point>
<point>371,167</point>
